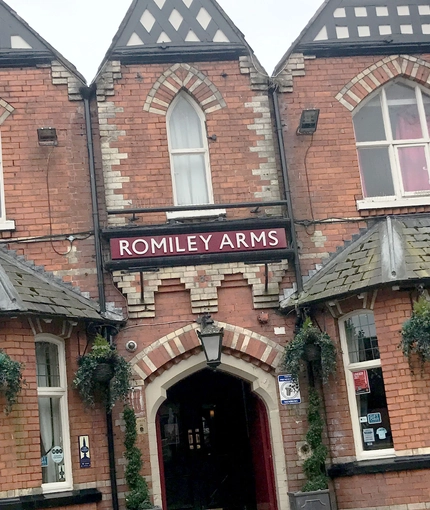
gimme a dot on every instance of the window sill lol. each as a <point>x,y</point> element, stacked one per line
<point>55,500</point>
<point>380,465</point>
<point>385,203</point>
<point>7,225</point>
<point>201,213</point>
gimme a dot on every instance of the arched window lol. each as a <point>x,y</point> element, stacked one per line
<point>365,383</point>
<point>189,155</point>
<point>53,414</point>
<point>392,134</point>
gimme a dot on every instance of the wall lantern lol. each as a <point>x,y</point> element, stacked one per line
<point>308,122</point>
<point>47,136</point>
<point>211,339</point>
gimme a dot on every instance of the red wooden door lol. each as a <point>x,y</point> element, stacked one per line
<point>262,456</point>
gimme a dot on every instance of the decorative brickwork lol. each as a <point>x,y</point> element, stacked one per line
<point>183,76</point>
<point>258,77</point>
<point>62,76</point>
<point>295,66</point>
<point>202,282</point>
<point>184,342</point>
<point>265,148</point>
<point>379,73</point>
<point>106,80</point>
<point>5,110</point>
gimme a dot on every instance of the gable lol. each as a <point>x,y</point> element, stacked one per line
<point>162,28</point>
<point>359,27</point>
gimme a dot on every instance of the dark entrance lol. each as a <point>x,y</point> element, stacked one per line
<point>210,425</point>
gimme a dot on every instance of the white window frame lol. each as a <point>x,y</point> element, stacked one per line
<point>400,198</point>
<point>61,393</point>
<point>350,368</point>
<point>204,150</point>
<point>4,224</point>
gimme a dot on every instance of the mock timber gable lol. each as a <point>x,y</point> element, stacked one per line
<point>157,30</point>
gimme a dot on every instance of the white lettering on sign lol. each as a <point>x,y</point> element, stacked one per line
<point>181,244</point>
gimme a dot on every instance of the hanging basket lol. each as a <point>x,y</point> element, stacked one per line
<point>103,373</point>
<point>312,352</point>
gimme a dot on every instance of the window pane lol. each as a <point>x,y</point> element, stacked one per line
<point>361,338</point>
<point>190,179</point>
<point>375,170</point>
<point>185,127</point>
<point>426,101</point>
<point>48,368</point>
<point>51,441</point>
<point>373,414</point>
<point>413,166</point>
<point>403,109</point>
<point>368,123</point>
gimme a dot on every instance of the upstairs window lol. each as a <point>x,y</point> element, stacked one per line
<point>4,223</point>
<point>392,134</point>
<point>189,155</point>
<point>53,415</point>
<point>365,383</point>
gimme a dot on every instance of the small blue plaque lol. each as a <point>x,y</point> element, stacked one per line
<point>374,418</point>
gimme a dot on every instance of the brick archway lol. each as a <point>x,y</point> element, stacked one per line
<point>380,73</point>
<point>5,110</point>
<point>183,76</point>
<point>184,343</point>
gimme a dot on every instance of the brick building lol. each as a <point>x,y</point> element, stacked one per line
<point>162,194</point>
<point>360,192</point>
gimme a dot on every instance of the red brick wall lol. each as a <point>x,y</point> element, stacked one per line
<point>30,170</point>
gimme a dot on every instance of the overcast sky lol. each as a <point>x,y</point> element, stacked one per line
<point>82,30</point>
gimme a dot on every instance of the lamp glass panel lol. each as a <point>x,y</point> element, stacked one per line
<point>211,344</point>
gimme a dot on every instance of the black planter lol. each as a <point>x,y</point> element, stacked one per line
<point>103,373</point>
<point>315,500</point>
<point>311,352</point>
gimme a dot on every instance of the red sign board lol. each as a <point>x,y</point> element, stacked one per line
<point>123,248</point>
<point>361,382</point>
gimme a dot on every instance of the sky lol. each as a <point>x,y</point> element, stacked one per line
<point>82,30</point>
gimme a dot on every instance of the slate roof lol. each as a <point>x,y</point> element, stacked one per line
<point>394,251</point>
<point>160,30</point>
<point>360,27</point>
<point>21,45</point>
<point>25,289</point>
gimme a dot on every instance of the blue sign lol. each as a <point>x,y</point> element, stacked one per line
<point>44,461</point>
<point>289,390</point>
<point>84,452</point>
<point>374,418</point>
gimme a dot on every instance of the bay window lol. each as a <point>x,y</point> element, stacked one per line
<point>393,145</point>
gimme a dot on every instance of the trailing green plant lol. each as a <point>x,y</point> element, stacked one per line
<point>295,351</point>
<point>90,387</point>
<point>314,465</point>
<point>416,332</point>
<point>138,497</point>
<point>10,379</point>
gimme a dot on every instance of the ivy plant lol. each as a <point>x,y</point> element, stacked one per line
<point>416,332</point>
<point>138,497</point>
<point>295,351</point>
<point>314,465</point>
<point>10,379</point>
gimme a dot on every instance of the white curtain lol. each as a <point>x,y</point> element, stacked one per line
<point>188,154</point>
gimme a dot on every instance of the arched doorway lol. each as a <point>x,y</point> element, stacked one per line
<point>262,385</point>
<point>213,443</point>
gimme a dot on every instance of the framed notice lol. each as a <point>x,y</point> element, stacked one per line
<point>289,391</point>
<point>361,382</point>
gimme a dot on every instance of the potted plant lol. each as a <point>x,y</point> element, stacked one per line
<point>416,332</point>
<point>10,379</point>
<point>310,344</point>
<point>314,466</point>
<point>102,375</point>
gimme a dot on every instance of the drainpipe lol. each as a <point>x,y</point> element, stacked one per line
<point>86,93</point>
<point>287,190</point>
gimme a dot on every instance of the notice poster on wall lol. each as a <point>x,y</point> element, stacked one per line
<point>289,390</point>
<point>361,382</point>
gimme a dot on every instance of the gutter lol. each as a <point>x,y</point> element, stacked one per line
<point>87,93</point>
<point>287,190</point>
